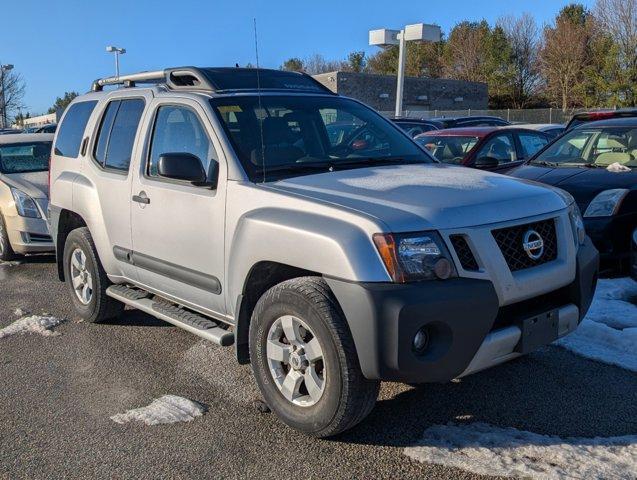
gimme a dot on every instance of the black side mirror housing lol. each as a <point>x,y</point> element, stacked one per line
<point>486,162</point>
<point>181,166</point>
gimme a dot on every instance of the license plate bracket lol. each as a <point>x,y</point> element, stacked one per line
<point>537,331</point>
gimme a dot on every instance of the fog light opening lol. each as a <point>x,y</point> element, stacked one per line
<point>420,343</point>
<point>443,269</point>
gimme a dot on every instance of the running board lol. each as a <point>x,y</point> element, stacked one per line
<point>168,312</point>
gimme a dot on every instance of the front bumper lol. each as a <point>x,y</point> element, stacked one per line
<point>29,235</point>
<point>612,237</point>
<point>468,330</point>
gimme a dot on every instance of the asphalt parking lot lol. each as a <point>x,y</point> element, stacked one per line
<point>59,392</point>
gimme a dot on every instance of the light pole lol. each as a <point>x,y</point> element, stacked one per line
<point>419,32</point>
<point>4,68</point>
<point>117,51</point>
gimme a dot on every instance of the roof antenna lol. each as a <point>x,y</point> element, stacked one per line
<point>256,49</point>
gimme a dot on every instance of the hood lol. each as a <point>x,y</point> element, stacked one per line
<point>583,183</point>
<point>421,197</point>
<point>34,184</point>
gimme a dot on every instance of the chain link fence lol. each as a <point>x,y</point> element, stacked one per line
<point>529,115</point>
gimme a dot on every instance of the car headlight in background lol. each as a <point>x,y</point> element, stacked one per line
<point>411,257</point>
<point>577,224</point>
<point>25,205</point>
<point>606,203</point>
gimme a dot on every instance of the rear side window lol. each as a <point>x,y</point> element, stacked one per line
<point>72,129</point>
<point>117,132</point>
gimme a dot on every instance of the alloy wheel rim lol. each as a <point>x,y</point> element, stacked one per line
<point>81,277</point>
<point>295,360</point>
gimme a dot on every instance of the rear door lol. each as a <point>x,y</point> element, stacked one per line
<point>178,228</point>
<point>110,155</point>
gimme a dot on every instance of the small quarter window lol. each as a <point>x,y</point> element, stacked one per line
<point>72,129</point>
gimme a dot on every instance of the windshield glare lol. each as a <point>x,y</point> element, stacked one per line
<point>294,135</point>
<point>597,147</point>
<point>25,157</point>
<point>448,149</point>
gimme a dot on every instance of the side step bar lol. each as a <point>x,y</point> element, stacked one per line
<point>168,312</point>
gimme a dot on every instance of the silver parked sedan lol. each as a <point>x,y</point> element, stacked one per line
<point>24,191</point>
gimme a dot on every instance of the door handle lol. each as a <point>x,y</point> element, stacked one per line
<point>141,198</point>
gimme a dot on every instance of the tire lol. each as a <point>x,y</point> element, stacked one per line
<point>6,252</point>
<point>347,397</point>
<point>92,304</point>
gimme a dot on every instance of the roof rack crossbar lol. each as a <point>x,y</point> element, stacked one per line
<point>141,77</point>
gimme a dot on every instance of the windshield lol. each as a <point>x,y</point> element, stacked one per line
<point>295,135</point>
<point>25,157</point>
<point>592,147</point>
<point>448,149</point>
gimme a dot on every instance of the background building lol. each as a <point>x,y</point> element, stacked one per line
<point>420,94</point>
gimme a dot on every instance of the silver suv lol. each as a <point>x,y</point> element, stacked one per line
<point>257,208</point>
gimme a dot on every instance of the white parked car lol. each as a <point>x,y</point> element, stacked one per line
<point>24,191</point>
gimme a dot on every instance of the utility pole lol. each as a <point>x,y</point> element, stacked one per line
<point>418,32</point>
<point>117,51</point>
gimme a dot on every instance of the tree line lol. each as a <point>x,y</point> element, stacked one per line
<point>582,58</point>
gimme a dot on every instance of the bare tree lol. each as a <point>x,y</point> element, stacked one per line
<point>523,35</point>
<point>317,63</point>
<point>13,94</point>
<point>563,57</point>
<point>619,19</point>
<point>466,52</point>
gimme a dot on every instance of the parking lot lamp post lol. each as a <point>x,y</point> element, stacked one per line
<point>117,51</point>
<point>418,32</point>
<point>4,68</point>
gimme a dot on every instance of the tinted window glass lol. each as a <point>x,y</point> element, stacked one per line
<point>25,157</point>
<point>123,132</point>
<point>72,129</point>
<point>281,135</point>
<point>448,149</point>
<point>532,143</point>
<point>178,130</point>
<point>501,148</point>
<point>105,132</point>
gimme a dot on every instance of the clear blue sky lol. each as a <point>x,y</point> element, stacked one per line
<point>59,45</point>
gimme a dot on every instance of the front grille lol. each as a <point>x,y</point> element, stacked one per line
<point>465,255</point>
<point>511,240</point>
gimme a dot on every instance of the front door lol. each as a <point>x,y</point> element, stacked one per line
<point>178,228</point>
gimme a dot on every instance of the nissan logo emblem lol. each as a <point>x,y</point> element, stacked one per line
<point>533,245</point>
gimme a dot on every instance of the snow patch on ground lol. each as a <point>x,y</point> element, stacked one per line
<point>165,409</point>
<point>488,450</point>
<point>11,263</point>
<point>608,333</point>
<point>18,312</point>
<point>42,324</point>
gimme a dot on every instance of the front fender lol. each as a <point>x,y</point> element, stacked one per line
<point>311,241</point>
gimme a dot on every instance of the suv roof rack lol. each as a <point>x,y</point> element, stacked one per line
<point>220,79</point>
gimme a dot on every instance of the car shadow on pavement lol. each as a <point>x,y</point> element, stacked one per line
<point>136,318</point>
<point>551,392</point>
<point>31,259</point>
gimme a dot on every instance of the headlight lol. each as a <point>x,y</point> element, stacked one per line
<point>577,224</point>
<point>415,256</point>
<point>606,203</point>
<point>24,204</point>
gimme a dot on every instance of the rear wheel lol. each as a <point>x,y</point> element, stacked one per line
<point>304,359</point>
<point>87,279</point>
<point>6,252</point>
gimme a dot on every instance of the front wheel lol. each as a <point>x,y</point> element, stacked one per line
<point>87,279</point>
<point>6,252</point>
<point>304,359</point>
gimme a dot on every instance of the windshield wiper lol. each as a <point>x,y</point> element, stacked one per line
<point>367,161</point>
<point>544,163</point>
<point>591,165</point>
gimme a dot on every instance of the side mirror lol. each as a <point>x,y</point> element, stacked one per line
<point>486,162</point>
<point>181,166</point>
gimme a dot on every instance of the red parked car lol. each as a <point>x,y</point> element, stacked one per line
<point>490,148</point>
